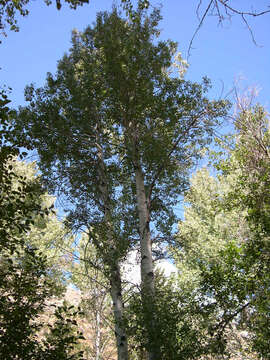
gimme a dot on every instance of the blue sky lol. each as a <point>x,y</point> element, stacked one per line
<point>223,53</point>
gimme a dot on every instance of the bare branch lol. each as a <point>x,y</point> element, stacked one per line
<point>199,26</point>
<point>249,29</point>
<point>214,7</point>
<point>239,12</point>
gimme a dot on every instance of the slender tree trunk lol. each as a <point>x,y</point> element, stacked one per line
<point>98,332</point>
<point>120,331</point>
<point>147,275</point>
<point>112,261</point>
<point>147,271</point>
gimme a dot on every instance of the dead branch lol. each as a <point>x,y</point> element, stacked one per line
<point>224,11</point>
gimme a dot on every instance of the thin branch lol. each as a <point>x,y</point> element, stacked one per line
<point>226,321</point>
<point>228,11</point>
<point>238,12</point>
<point>198,8</point>
<point>161,167</point>
<point>249,29</point>
<point>198,27</point>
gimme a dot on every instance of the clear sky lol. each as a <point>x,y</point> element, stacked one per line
<point>223,53</point>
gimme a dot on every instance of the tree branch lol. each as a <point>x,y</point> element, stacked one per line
<point>213,7</point>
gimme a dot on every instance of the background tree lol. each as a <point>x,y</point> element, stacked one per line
<point>211,264</point>
<point>251,191</point>
<point>48,234</point>
<point>87,274</point>
<point>223,241</point>
<point>26,282</point>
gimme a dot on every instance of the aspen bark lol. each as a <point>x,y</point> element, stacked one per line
<point>120,333</point>
<point>112,260</point>
<point>147,269</point>
<point>147,275</point>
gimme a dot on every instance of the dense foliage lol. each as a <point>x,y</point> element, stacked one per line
<point>27,281</point>
<point>224,239</point>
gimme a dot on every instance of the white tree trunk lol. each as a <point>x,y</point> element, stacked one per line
<point>147,270</point>
<point>120,333</point>
<point>98,332</point>
<point>112,261</point>
<point>147,274</point>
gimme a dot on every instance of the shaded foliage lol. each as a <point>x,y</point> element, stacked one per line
<point>26,284</point>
